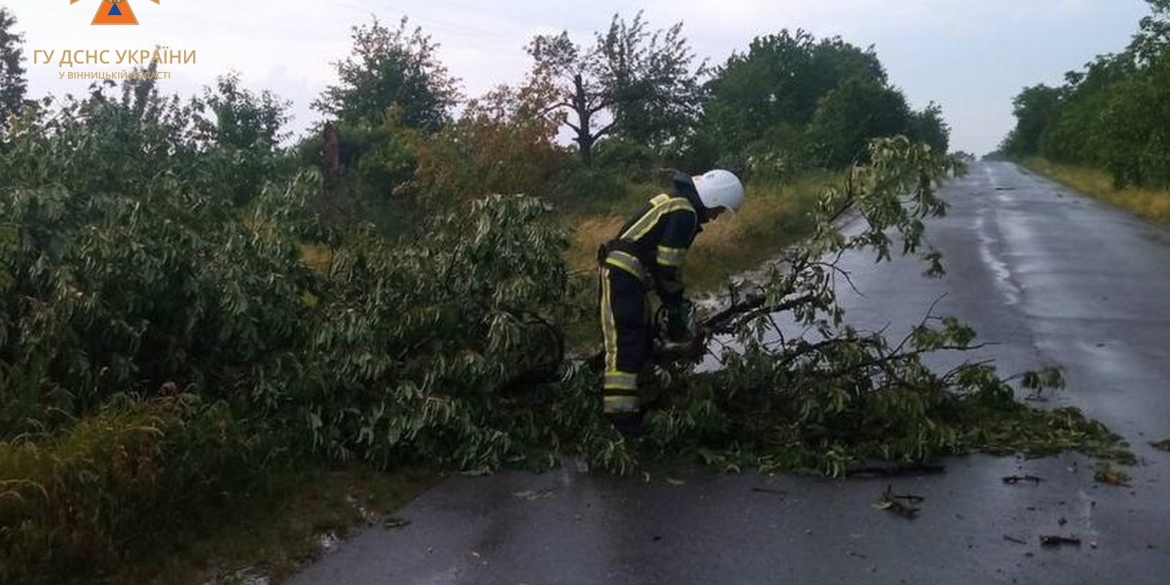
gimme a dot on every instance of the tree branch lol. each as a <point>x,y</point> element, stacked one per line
<point>604,130</point>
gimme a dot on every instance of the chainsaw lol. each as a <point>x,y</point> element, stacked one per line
<point>664,351</point>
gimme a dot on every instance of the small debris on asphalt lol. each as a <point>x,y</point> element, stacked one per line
<point>1014,479</point>
<point>393,522</point>
<point>1163,445</point>
<point>532,495</point>
<point>1010,538</point>
<point>1110,476</point>
<point>895,470</point>
<point>1051,540</point>
<point>675,482</point>
<point>328,542</point>
<point>1062,521</point>
<point>769,491</point>
<point>899,504</point>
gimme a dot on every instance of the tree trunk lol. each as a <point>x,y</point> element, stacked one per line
<point>585,137</point>
<point>332,159</point>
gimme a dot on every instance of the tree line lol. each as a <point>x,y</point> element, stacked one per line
<point>632,98</point>
<point>1113,114</point>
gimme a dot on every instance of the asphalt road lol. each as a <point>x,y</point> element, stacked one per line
<point>1045,276</point>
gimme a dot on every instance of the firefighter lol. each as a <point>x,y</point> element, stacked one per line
<point>647,255</point>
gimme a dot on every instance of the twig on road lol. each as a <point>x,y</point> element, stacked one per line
<point>1014,479</point>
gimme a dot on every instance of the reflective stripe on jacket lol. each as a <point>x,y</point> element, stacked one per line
<point>653,244</point>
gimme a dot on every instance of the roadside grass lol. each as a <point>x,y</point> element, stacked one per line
<point>1153,204</point>
<point>177,490</point>
<point>275,536</point>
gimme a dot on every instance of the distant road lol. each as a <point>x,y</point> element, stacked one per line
<point>1044,275</point>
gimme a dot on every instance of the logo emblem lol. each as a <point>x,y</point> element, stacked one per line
<point>114,12</point>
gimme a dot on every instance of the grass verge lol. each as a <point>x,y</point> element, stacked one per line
<point>179,491</point>
<point>274,537</point>
<point>1149,203</point>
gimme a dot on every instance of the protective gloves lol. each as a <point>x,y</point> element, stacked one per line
<point>678,322</point>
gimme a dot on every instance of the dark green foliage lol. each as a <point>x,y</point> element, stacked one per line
<point>1034,109</point>
<point>655,94</point>
<point>245,134</point>
<point>642,80</point>
<point>929,126</point>
<point>793,102</point>
<point>13,83</point>
<point>425,339</point>
<point>391,68</point>
<point>1112,115</point>
<point>780,80</point>
<point>125,271</point>
<point>853,113</point>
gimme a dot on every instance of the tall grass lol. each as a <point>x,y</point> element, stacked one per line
<point>1150,203</point>
<point>132,481</point>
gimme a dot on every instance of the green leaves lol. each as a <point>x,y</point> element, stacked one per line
<point>391,68</point>
<point>1110,115</point>
<point>820,395</point>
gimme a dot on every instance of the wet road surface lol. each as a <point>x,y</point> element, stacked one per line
<point>1045,276</point>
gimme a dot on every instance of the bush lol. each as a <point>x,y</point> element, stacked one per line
<point>630,160</point>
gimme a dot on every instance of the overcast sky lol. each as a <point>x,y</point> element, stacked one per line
<point>970,57</point>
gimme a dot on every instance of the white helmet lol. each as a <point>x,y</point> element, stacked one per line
<point>719,188</point>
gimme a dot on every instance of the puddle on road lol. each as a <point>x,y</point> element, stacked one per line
<point>1003,276</point>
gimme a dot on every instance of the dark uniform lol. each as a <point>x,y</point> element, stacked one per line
<point>647,255</point>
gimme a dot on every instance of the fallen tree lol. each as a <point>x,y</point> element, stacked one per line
<point>146,293</point>
<point>831,398</point>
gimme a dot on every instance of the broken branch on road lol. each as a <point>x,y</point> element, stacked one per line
<point>1014,479</point>
<point>903,505</point>
<point>1051,540</point>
